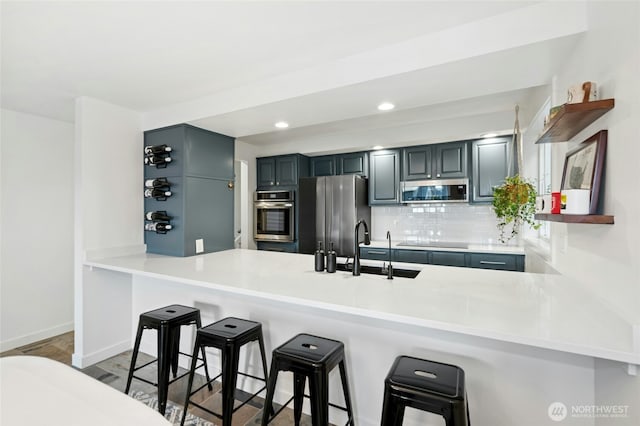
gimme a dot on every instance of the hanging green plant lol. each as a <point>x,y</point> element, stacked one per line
<point>514,203</point>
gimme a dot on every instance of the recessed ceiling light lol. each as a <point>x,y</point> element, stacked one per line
<point>377,147</point>
<point>386,106</point>
<point>282,124</point>
<point>488,135</point>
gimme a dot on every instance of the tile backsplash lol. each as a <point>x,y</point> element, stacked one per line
<point>448,222</point>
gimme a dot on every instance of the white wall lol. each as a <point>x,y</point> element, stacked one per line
<point>109,221</point>
<point>605,257</point>
<point>109,183</point>
<point>36,280</point>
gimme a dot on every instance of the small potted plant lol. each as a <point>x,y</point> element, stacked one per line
<point>514,203</point>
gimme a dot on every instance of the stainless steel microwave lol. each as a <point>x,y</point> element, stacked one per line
<point>436,191</point>
<point>273,216</point>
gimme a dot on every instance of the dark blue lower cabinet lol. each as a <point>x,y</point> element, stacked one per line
<point>448,258</point>
<point>374,253</point>
<point>504,262</point>
<point>411,256</point>
<point>277,246</point>
<point>500,262</point>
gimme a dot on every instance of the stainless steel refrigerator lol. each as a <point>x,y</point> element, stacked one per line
<point>329,208</point>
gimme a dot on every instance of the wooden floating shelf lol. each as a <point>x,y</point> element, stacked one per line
<point>572,118</point>
<point>576,218</point>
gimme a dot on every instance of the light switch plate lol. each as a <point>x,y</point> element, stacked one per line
<point>199,245</point>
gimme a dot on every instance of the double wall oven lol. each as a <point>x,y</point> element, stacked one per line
<point>274,216</point>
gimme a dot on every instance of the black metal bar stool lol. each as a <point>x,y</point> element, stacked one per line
<point>167,321</point>
<point>313,357</point>
<point>228,335</point>
<point>428,386</point>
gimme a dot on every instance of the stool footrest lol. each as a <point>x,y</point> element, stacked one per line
<point>235,408</point>
<point>279,411</point>
<point>170,381</point>
<point>205,384</point>
<point>331,404</point>
<point>307,396</point>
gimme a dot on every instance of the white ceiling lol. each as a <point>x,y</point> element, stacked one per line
<point>162,56</point>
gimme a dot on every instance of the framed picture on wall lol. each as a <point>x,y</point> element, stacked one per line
<point>583,167</point>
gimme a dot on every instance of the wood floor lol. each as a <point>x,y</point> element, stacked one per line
<point>58,348</point>
<point>113,372</point>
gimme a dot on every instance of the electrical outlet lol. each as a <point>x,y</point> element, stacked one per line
<point>199,245</point>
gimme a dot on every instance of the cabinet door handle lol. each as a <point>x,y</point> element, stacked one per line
<point>277,183</point>
<point>438,175</point>
<point>488,262</point>
<point>429,176</point>
<point>377,252</point>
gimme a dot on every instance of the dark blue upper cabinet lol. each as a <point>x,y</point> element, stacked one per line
<point>417,163</point>
<point>287,170</point>
<point>438,161</point>
<point>451,160</point>
<point>384,182</point>
<point>490,158</point>
<point>322,166</point>
<point>283,170</point>
<point>355,163</point>
<point>266,171</point>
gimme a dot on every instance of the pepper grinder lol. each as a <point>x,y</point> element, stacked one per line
<point>331,260</point>
<point>319,258</point>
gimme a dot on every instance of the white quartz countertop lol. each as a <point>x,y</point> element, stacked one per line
<point>447,246</point>
<point>546,311</point>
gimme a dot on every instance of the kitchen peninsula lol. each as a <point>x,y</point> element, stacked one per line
<point>523,339</point>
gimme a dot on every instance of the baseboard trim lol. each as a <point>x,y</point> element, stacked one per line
<point>79,360</point>
<point>27,339</point>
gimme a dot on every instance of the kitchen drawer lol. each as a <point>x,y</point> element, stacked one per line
<point>282,247</point>
<point>374,253</point>
<point>447,258</point>
<point>411,256</point>
<point>506,262</point>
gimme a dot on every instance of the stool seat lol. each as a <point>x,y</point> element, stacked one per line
<point>308,357</point>
<point>428,386</point>
<point>230,330</point>
<point>228,335</point>
<point>312,351</point>
<point>168,321</point>
<point>419,375</point>
<point>171,314</point>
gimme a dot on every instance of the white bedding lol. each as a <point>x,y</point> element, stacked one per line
<point>40,391</point>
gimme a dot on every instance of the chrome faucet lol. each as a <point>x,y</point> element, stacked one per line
<point>389,269</point>
<point>367,241</point>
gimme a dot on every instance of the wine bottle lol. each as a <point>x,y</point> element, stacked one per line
<point>157,149</point>
<point>331,260</point>
<point>319,258</point>
<point>156,183</point>
<point>159,216</point>
<point>156,193</point>
<point>155,160</point>
<point>157,227</point>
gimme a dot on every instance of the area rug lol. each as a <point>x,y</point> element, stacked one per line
<point>173,412</point>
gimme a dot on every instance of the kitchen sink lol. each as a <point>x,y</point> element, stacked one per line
<point>377,270</point>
